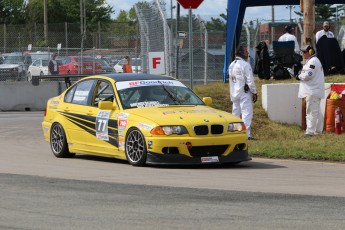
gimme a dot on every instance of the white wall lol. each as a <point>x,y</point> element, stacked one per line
<point>282,104</point>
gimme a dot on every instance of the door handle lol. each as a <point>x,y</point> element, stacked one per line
<point>89,113</point>
<point>66,109</point>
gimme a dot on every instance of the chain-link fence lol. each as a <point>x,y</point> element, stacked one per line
<point>114,41</point>
<point>153,32</point>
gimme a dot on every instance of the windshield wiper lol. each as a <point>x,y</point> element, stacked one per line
<point>170,94</point>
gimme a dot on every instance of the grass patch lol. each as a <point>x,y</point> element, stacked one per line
<point>277,140</point>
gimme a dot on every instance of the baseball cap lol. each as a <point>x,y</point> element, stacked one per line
<point>325,23</point>
<point>306,48</point>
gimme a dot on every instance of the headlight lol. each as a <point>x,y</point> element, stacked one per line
<point>236,127</point>
<point>169,130</point>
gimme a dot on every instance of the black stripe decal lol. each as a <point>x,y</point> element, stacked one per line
<point>88,124</point>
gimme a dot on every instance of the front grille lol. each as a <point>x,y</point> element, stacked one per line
<point>203,151</point>
<point>201,130</point>
<point>217,129</point>
<point>204,130</point>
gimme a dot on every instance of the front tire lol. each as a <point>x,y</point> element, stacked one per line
<point>58,142</point>
<point>135,147</point>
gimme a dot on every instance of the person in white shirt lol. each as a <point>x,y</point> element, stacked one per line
<point>312,88</point>
<point>324,31</point>
<point>242,88</point>
<point>288,36</point>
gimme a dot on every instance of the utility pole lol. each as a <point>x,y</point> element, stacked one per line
<point>272,28</point>
<point>45,9</point>
<point>308,9</point>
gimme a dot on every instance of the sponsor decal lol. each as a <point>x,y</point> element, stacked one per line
<point>145,126</point>
<point>145,104</point>
<point>122,123</point>
<point>211,159</point>
<point>54,102</point>
<point>123,116</point>
<point>81,93</point>
<point>121,144</point>
<point>102,120</point>
<point>128,84</point>
<point>121,132</point>
<point>189,111</point>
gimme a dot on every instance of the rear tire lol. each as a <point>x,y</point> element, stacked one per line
<point>135,147</point>
<point>58,142</point>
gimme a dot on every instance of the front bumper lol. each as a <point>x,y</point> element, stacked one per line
<point>180,159</point>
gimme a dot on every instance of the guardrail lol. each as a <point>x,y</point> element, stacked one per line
<point>67,78</point>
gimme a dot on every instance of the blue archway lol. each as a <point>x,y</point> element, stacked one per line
<point>236,10</point>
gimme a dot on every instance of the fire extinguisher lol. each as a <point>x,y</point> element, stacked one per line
<point>339,119</point>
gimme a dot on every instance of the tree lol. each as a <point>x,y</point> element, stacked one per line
<point>323,12</point>
<point>216,24</point>
<point>69,11</point>
<point>12,11</point>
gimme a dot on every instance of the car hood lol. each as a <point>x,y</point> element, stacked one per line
<point>8,66</point>
<point>174,115</point>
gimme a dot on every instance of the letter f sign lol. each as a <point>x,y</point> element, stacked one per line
<point>155,62</point>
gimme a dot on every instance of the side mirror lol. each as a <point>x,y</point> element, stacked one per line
<point>207,101</point>
<point>106,105</point>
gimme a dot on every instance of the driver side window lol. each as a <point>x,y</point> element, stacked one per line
<point>103,92</point>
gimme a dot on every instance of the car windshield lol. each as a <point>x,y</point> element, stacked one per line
<point>148,93</point>
<point>14,60</point>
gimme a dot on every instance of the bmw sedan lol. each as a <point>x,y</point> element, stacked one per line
<point>144,119</point>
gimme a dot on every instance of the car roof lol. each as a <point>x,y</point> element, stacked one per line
<point>135,76</point>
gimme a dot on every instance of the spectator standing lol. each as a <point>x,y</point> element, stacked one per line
<point>53,65</point>
<point>242,88</point>
<point>127,66</point>
<point>312,89</point>
<point>324,31</point>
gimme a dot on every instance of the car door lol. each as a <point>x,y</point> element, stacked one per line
<point>79,115</point>
<point>106,124</point>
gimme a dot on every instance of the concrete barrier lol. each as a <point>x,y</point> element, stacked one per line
<point>23,96</point>
<point>282,104</point>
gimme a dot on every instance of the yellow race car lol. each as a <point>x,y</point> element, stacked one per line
<point>144,119</point>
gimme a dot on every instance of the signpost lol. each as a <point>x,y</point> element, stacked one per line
<point>190,4</point>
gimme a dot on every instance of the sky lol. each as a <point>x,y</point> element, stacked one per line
<point>213,8</point>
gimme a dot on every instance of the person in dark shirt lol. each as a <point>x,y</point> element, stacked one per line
<point>53,65</point>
